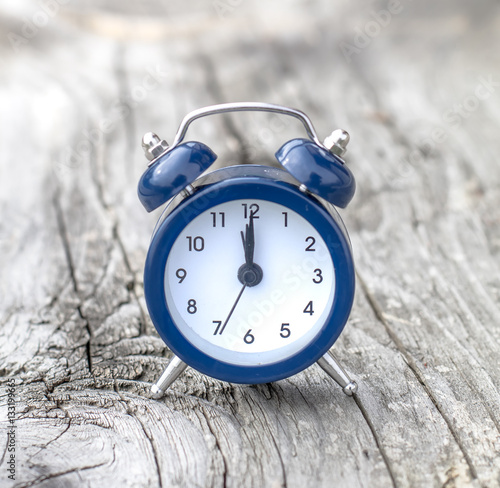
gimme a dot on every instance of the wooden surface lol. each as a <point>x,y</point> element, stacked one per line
<point>420,96</point>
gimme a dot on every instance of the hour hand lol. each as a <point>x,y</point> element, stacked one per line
<point>243,240</point>
<point>249,274</point>
<point>248,239</point>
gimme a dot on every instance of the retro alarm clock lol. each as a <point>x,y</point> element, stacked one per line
<point>249,277</point>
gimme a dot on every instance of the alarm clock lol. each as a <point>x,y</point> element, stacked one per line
<point>249,277</point>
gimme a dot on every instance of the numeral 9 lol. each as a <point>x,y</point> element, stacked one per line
<point>181,273</point>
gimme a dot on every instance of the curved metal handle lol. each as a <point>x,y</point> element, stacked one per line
<point>243,107</point>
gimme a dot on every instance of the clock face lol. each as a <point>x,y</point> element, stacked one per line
<point>249,282</point>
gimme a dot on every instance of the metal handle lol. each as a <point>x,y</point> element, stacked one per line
<point>243,107</point>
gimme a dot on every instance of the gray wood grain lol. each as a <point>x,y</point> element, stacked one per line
<point>419,93</point>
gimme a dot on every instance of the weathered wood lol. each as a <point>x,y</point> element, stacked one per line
<point>419,94</point>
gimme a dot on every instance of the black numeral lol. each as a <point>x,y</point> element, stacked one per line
<point>312,241</point>
<point>253,207</point>
<point>197,243</point>
<point>319,276</point>
<point>221,219</point>
<point>285,215</point>
<point>191,308</point>
<point>309,308</point>
<point>219,323</point>
<point>285,331</point>
<point>249,338</point>
<point>181,273</point>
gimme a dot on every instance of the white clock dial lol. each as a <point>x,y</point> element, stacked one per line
<point>231,320</point>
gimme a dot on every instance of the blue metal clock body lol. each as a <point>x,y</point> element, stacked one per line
<point>249,277</point>
<point>253,183</point>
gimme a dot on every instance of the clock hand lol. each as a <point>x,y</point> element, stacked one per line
<point>248,238</point>
<point>249,242</point>
<point>232,309</point>
<point>243,240</point>
<point>250,273</point>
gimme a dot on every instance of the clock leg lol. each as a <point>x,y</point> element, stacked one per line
<point>174,369</point>
<point>330,364</point>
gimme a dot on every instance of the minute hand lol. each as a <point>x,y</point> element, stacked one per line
<point>249,242</point>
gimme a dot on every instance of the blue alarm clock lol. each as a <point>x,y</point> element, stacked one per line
<point>249,277</point>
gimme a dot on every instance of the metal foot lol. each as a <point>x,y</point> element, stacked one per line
<point>174,369</point>
<point>330,364</point>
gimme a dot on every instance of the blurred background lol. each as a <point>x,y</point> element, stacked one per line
<point>79,73</point>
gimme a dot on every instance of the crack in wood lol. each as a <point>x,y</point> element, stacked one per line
<point>5,450</point>
<point>275,444</point>
<point>46,445</point>
<point>123,83</point>
<point>148,436</point>
<point>104,274</point>
<point>478,394</point>
<point>416,372</point>
<point>63,233</point>
<point>376,438</point>
<point>52,476</point>
<point>143,322</point>
<point>122,80</point>
<point>217,444</point>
